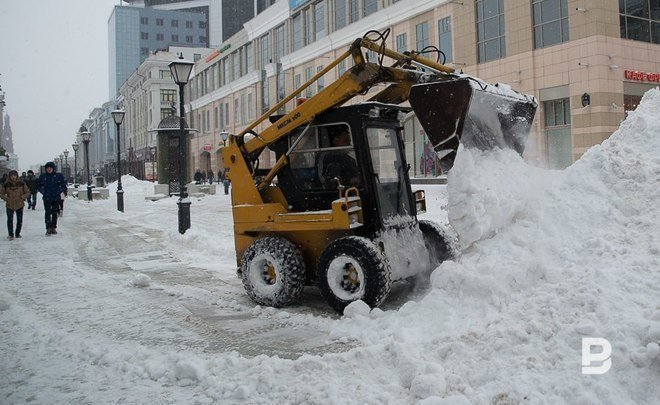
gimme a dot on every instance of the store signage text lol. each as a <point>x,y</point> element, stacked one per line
<point>642,76</point>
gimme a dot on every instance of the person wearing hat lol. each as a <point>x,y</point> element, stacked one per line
<point>14,192</point>
<point>51,185</point>
<point>31,182</point>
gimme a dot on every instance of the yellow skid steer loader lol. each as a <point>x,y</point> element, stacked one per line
<point>337,209</point>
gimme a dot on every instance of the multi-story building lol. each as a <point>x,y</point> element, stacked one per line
<point>136,32</point>
<point>587,62</point>
<point>148,96</point>
<point>225,17</point>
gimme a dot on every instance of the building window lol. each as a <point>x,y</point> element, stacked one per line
<point>319,21</point>
<point>144,20</point>
<point>208,119</point>
<point>296,22</point>
<point>175,38</point>
<point>308,77</point>
<point>444,31</point>
<point>490,30</point>
<point>175,23</point>
<point>189,24</point>
<point>202,25</point>
<point>166,112</point>
<point>144,35</point>
<point>640,20</point>
<point>249,58</point>
<point>279,42</point>
<point>160,37</point>
<point>236,116</point>
<point>144,51</point>
<point>557,114</point>
<point>189,39</point>
<point>159,22</point>
<point>353,10</point>
<point>250,110</point>
<point>202,40</point>
<point>265,51</point>
<point>297,81</point>
<point>307,26</point>
<point>340,14</point>
<point>370,7</point>
<point>341,68</point>
<point>197,56</point>
<point>226,122</point>
<point>320,83</point>
<point>236,65</point>
<point>550,22</point>
<point>165,74</point>
<point>167,96</point>
<point>281,86</point>
<point>265,95</point>
<point>421,36</point>
<point>630,103</point>
<point>402,42</point>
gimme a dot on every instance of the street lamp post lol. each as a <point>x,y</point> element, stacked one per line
<point>66,164</point>
<point>180,69</point>
<point>224,135</point>
<point>75,147</point>
<point>86,137</point>
<point>118,116</point>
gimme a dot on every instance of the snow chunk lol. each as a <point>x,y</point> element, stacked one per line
<point>141,280</point>
<point>357,308</point>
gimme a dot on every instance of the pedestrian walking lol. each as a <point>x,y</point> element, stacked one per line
<point>225,182</point>
<point>31,182</point>
<point>209,176</point>
<point>51,185</point>
<point>14,192</point>
<point>198,177</point>
<point>3,179</point>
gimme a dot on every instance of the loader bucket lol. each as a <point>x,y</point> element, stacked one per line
<point>478,115</point>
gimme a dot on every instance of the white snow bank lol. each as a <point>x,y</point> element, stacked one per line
<point>550,257</point>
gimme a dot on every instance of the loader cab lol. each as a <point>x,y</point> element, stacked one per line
<point>355,146</point>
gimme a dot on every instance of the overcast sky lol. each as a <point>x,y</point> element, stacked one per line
<point>54,71</point>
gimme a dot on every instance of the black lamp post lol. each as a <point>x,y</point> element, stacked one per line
<point>118,116</point>
<point>75,147</point>
<point>181,69</point>
<point>86,137</point>
<point>66,164</point>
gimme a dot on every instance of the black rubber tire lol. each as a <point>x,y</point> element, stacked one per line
<point>288,267</point>
<point>368,262</point>
<point>440,242</point>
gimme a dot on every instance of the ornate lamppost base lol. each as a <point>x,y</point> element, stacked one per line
<point>184,215</point>
<point>120,200</point>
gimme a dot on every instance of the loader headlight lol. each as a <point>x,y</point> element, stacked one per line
<point>353,218</point>
<point>374,112</point>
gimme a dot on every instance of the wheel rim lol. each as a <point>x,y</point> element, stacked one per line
<point>346,278</point>
<point>264,272</point>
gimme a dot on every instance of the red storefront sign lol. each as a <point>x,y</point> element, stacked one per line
<point>642,76</point>
<point>207,147</point>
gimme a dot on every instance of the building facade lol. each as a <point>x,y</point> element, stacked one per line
<point>136,32</point>
<point>587,62</point>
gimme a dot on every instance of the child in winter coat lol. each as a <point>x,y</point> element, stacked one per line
<point>14,192</point>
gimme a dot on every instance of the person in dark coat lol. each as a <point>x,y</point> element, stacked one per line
<point>31,182</point>
<point>209,176</point>
<point>198,177</point>
<point>51,185</point>
<point>14,192</point>
<point>3,179</point>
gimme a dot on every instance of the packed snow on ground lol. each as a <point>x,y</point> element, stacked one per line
<point>548,257</point>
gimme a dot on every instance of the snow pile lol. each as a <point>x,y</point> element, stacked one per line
<point>132,186</point>
<point>141,280</point>
<point>550,257</point>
